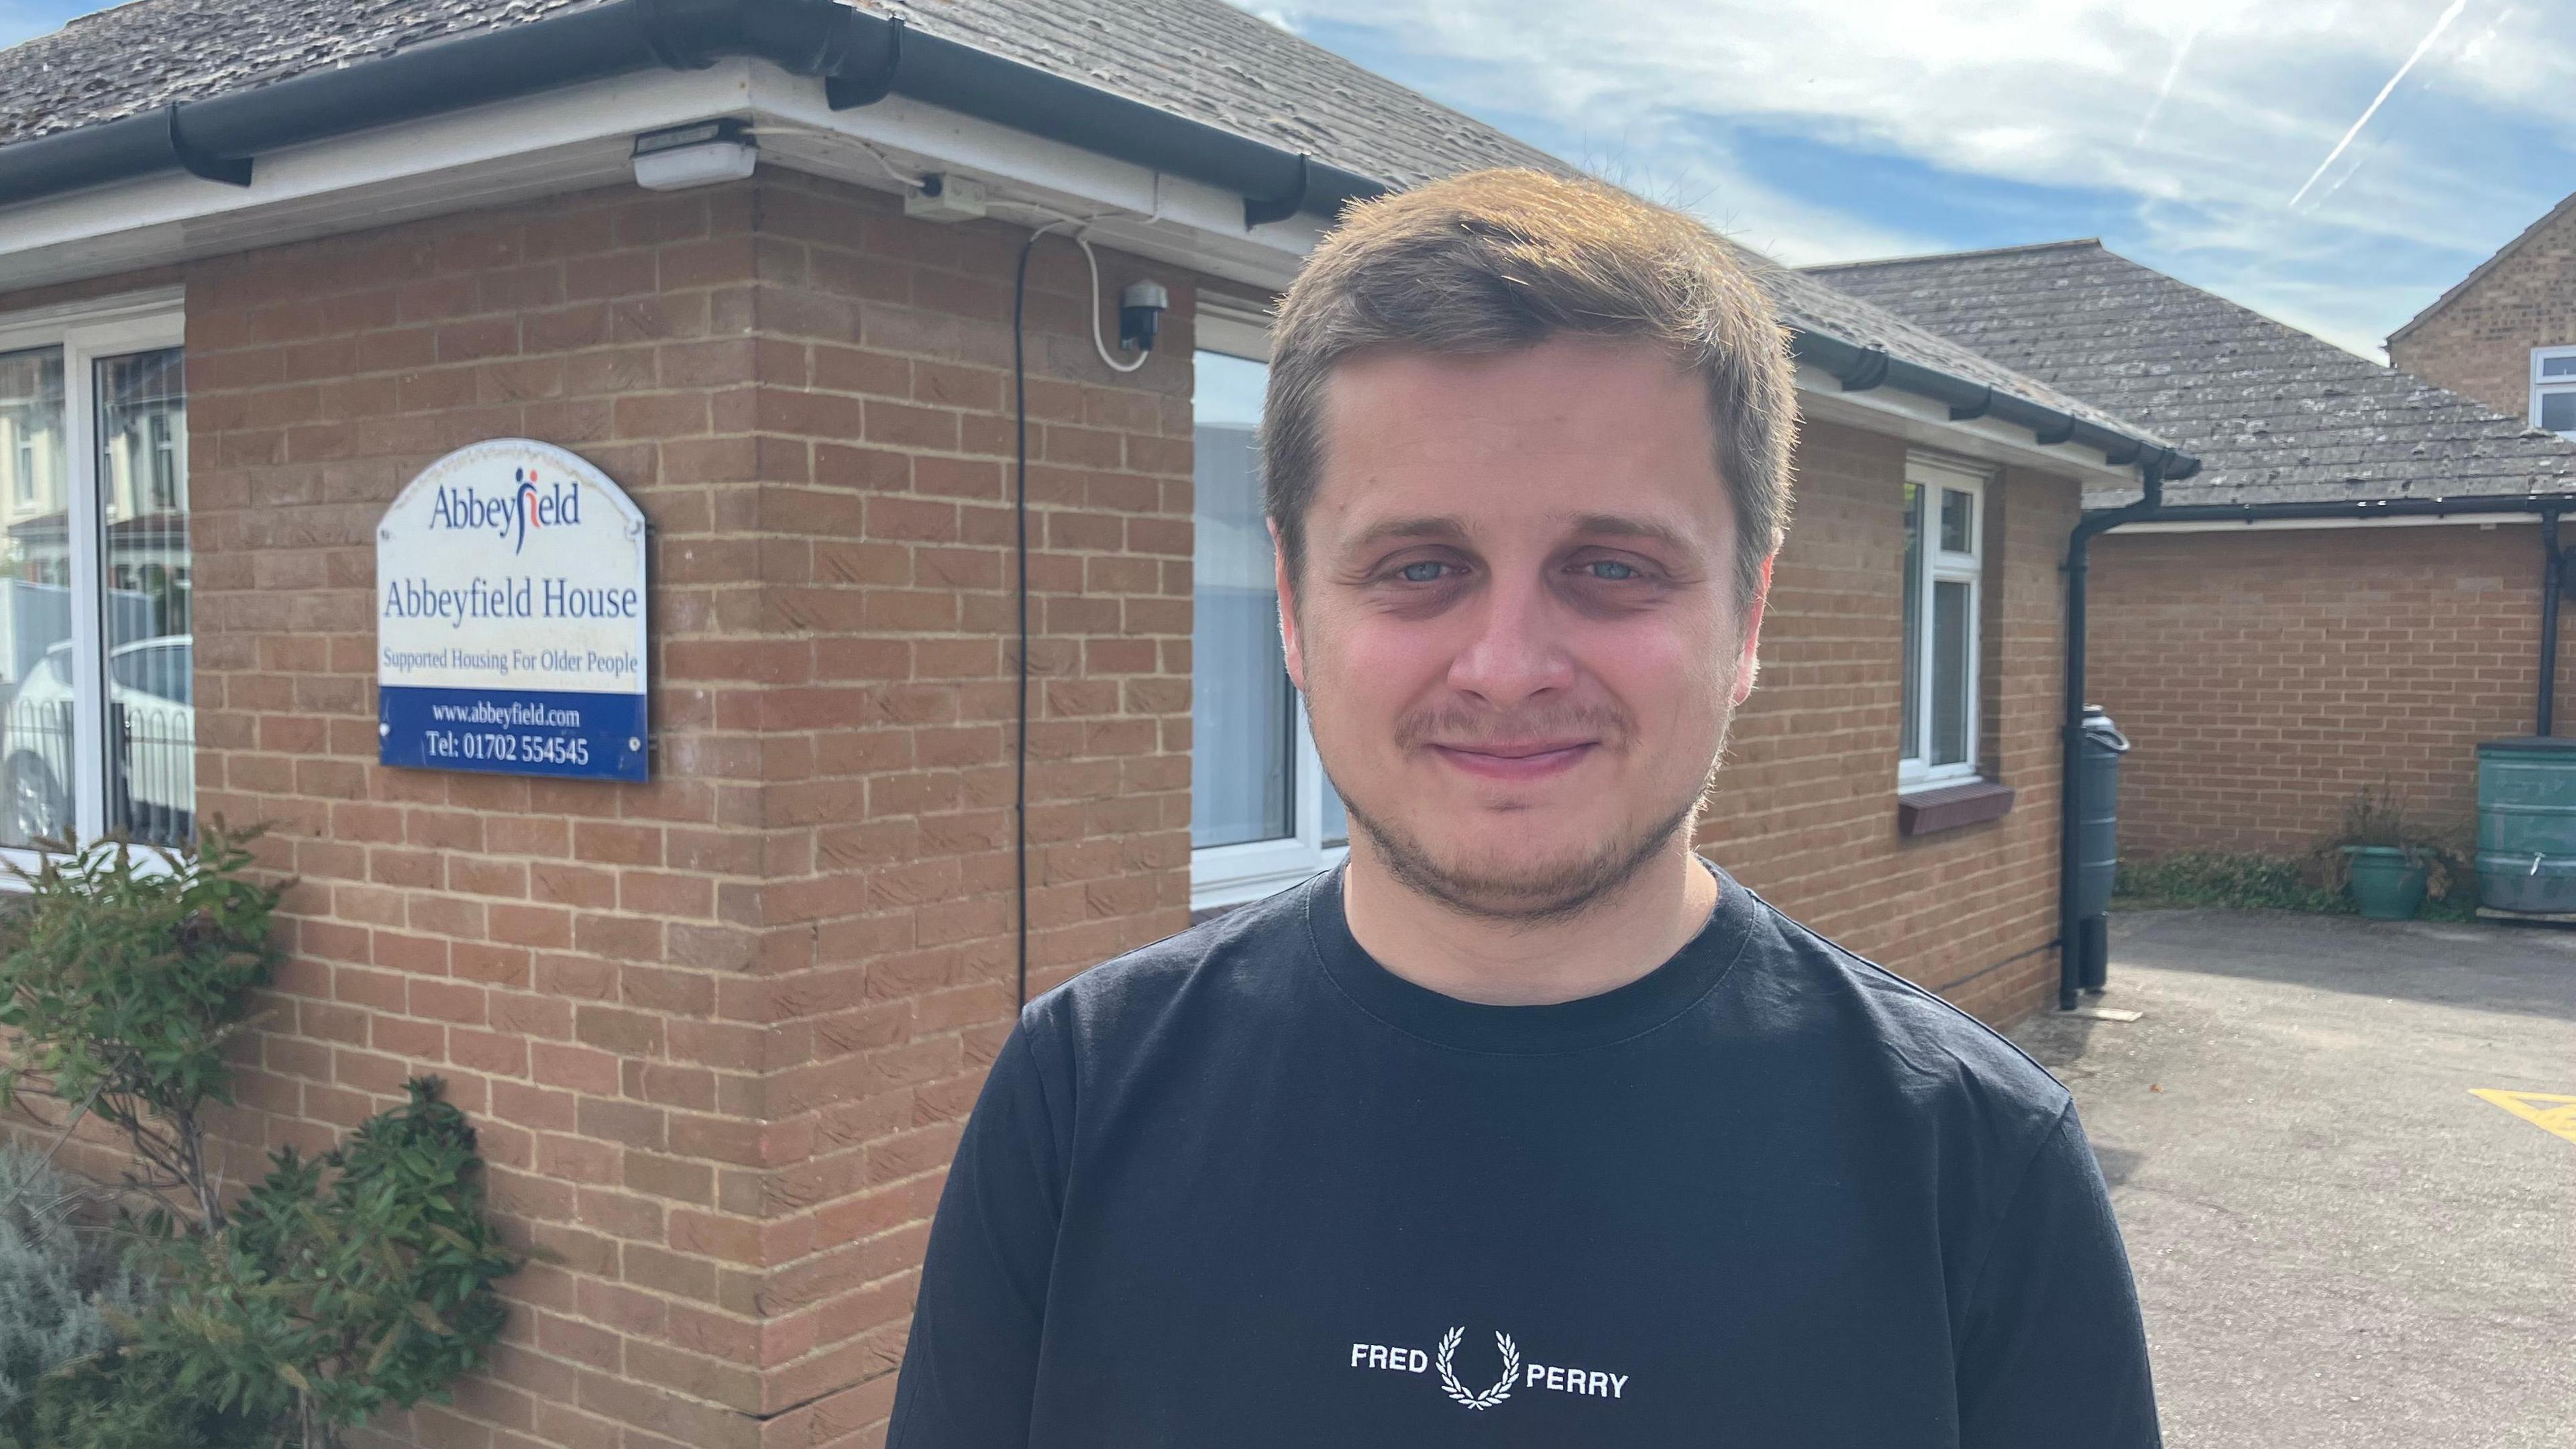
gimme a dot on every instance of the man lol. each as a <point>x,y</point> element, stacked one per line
<point>1527,1126</point>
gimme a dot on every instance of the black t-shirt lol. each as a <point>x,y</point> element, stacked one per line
<point>1246,1187</point>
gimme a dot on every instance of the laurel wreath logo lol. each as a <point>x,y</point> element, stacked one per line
<point>1502,1388</point>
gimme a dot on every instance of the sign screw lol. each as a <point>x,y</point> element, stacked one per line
<point>633,743</point>
<point>383,729</point>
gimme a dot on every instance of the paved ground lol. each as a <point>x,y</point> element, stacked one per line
<point>2337,1245</point>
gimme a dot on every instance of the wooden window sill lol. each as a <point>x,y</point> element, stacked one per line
<point>1949,807</point>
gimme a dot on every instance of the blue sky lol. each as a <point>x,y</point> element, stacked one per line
<point>2178,131</point>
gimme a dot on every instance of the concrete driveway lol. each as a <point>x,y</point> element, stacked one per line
<point>2337,1244</point>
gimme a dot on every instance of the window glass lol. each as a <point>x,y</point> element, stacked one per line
<point>143,497</point>
<point>2558,411</point>
<point>1242,712</point>
<point>1958,521</point>
<point>1912,748</point>
<point>35,604</point>
<point>1950,634</point>
<point>2563,365</point>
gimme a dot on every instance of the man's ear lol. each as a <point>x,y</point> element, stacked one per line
<point>1290,645</point>
<point>1749,663</point>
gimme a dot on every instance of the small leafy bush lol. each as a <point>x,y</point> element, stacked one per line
<point>120,985</point>
<point>59,1288</point>
<point>349,1282</point>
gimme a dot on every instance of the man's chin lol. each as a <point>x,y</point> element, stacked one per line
<point>1512,874</point>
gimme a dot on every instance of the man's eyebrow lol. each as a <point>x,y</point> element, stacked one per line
<point>1617,525</point>
<point>1439,526</point>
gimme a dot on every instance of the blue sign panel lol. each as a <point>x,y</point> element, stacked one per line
<point>510,618</point>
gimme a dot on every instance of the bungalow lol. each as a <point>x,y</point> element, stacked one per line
<point>915,353</point>
<point>2358,587</point>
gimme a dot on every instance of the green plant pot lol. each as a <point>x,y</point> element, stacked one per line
<point>2384,884</point>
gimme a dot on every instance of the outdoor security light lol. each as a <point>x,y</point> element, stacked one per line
<point>699,154</point>
<point>1140,314</point>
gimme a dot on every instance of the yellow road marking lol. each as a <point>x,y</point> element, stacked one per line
<point>2544,1110</point>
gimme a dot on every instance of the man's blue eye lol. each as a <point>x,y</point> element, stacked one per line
<point>1612,569</point>
<point>1421,573</point>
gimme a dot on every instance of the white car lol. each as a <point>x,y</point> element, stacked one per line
<point>152,745</point>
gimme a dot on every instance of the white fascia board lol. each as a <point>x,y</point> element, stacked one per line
<point>1132,208</point>
<point>546,144</point>
<point>2230,525</point>
<point>1927,423</point>
<point>579,137</point>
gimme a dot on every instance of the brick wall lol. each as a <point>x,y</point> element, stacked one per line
<point>2266,676</point>
<point>2480,342</point>
<point>1805,809</point>
<point>718,1031</point>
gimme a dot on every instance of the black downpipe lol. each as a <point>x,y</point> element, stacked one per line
<point>1020,572</point>
<point>2553,582</point>
<point>2071,731</point>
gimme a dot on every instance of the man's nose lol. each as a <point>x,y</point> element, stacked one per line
<point>1518,649</point>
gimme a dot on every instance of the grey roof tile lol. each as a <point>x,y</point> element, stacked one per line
<point>1203,59</point>
<point>2274,413</point>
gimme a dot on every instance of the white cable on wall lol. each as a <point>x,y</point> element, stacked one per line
<point>1098,344</point>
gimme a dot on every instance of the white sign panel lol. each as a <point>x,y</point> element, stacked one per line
<point>510,617</point>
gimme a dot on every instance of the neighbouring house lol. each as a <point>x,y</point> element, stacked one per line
<point>262,265</point>
<point>2356,587</point>
<point>2506,333</point>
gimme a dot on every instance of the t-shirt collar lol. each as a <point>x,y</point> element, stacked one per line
<point>1585,1023</point>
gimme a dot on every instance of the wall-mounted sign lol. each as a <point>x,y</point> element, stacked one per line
<point>510,617</point>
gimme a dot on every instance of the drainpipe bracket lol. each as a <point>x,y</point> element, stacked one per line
<point>844,92</point>
<point>229,170</point>
<point>1971,412</point>
<point>1261,211</point>
<point>2064,432</point>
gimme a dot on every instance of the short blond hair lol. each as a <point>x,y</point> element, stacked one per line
<point>1497,261</point>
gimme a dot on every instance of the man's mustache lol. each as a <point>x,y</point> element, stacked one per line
<point>1467,726</point>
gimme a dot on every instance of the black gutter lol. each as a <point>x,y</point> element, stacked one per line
<point>1861,368</point>
<point>863,57</point>
<point>2150,508</point>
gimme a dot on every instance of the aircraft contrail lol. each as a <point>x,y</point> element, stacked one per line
<point>2448,15</point>
<point>2173,71</point>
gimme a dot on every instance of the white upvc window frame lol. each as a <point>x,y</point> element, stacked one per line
<point>1932,473</point>
<point>87,332</point>
<point>2542,386</point>
<point>1226,875</point>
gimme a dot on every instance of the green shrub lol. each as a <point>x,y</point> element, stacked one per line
<point>348,1282</point>
<point>58,1287</point>
<point>121,983</point>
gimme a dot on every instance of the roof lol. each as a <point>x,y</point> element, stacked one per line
<point>2478,272</point>
<point>1201,59</point>
<point>2275,414</point>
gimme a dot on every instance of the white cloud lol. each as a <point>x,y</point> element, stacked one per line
<point>2201,116</point>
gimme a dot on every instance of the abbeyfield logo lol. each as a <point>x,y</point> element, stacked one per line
<point>1443,1360</point>
<point>532,504</point>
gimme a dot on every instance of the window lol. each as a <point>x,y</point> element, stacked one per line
<point>98,735</point>
<point>1262,815</point>
<point>1944,526</point>
<point>2553,389</point>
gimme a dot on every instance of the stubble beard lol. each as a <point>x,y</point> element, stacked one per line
<point>1552,892</point>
